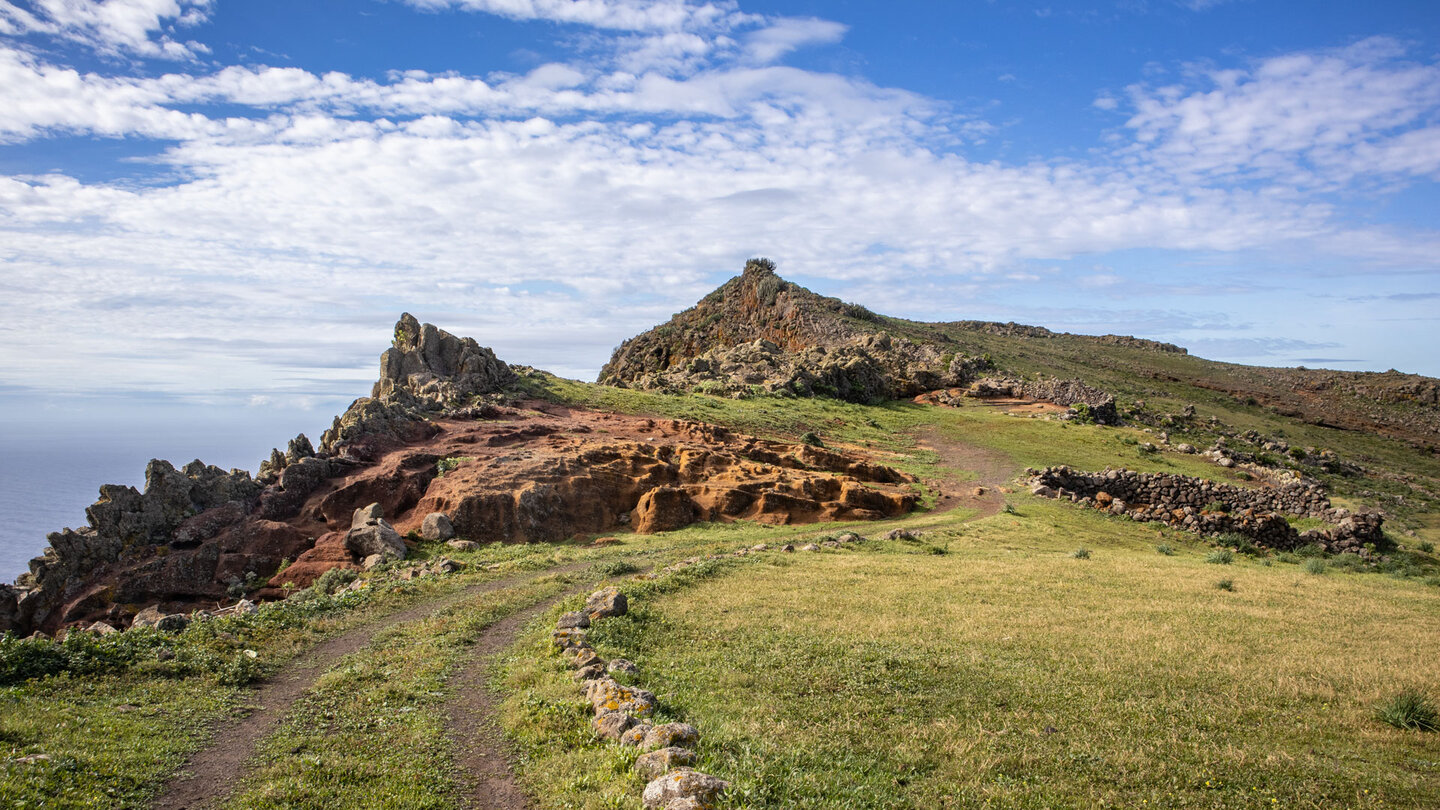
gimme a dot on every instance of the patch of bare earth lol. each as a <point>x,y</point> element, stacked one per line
<point>992,468</point>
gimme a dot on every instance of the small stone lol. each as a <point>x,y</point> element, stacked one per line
<point>574,619</point>
<point>671,734</point>
<point>245,607</point>
<point>787,548</point>
<point>622,665</point>
<point>585,657</point>
<point>372,561</point>
<point>102,629</point>
<point>664,760</point>
<point>612,725</point>
<point>605,603</point>
<point>463,545</point>
<point>809,547</point>
<point>635,735</point>
<point>683,784</point>
<point>587,673</point>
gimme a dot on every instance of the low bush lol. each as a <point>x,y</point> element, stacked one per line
<point>1426,546</point>
<point>1315,565</point>
<point>1081,554</point>
<point>1165,549</point>
<point>1226,585</point>
<point>1222,556</point>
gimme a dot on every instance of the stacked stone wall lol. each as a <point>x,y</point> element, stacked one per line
<point>1212,508</point>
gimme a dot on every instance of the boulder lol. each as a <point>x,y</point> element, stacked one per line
<point>663,760</point>
<point>604,603</point>
<point>436,526</point>
<point>153,617</point>
<point>370,536</point>
<point>463,545</point>
<point>683,784</point>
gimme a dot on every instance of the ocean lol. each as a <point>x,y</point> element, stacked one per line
<point>49,475</point>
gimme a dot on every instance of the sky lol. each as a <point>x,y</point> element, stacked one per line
<point>216,209</point>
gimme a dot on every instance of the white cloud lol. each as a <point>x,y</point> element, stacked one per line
<point>138,27</point>
<point>623,15</point>
<point>786,34</point>
<point>1311,119</point>
<point>300,225</point>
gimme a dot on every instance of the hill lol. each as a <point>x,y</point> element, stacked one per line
<point>864,562</point>
<point>759,334</point>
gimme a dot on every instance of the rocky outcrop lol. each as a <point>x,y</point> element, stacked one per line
<point>1098,405</point>
<point>759,334</point>
<point>437,369</point>
<point>1212,508</point>
<point>426,372</point>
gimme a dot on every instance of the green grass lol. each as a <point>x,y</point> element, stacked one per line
<point>370,733</point>
<point>997,673</point>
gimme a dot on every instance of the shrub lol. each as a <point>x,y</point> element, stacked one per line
<point>1222,556</point>
<point>1081,554</point>
<point>334,579</point>
<point>1011,510</point>
<point>1216,506</point>
<point>614,568</point>
<point>446,465</point>
<point>1427,547</point>
<point>1310,550</point>
<point>1226,585</point>
<point>808,437</point>
<point>1410,709</point>
<point>1164,548</point>
<point>1314,565</point>
<point>1347,562</point>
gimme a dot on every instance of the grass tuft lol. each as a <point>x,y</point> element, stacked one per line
<point>1166,549</point>
<point>1410,709</point>
<point>1081,554</point>
<point>1221,556</point>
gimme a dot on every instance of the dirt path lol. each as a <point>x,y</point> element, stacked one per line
<point>993,470</point>
<point>210,774</point>
<point>481,753</point>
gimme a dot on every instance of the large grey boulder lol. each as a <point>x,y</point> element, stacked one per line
<point>437,526</point>
<point>370,536</point>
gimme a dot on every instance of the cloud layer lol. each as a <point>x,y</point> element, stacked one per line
<point>285,217</point>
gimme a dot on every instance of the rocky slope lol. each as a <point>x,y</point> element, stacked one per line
<point>444,433</point>
<point>760,334</point>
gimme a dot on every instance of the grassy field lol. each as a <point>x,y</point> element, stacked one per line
<point>1006,672</point>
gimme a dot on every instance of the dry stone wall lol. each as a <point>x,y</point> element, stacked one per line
<point>1213,508</point>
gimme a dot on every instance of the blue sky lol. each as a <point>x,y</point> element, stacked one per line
<point>223,206</point>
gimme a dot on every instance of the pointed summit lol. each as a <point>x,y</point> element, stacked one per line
<point>759,333</point>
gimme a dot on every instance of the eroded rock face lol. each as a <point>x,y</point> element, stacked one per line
<point>760,333</point>
<point>530,473</point>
